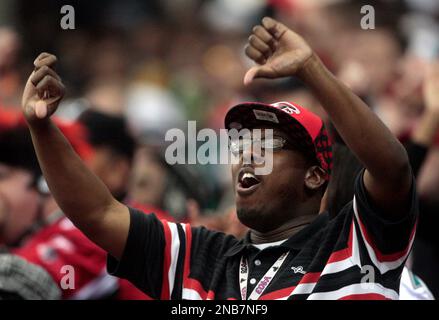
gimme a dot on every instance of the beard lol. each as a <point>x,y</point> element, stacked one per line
<point>257,219</point>
<point>270,214</point>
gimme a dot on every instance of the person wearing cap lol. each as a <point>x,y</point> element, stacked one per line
<point>21,280</point>
<point>290,252</point>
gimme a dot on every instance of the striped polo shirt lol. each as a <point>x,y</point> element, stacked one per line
<point>359,254</point>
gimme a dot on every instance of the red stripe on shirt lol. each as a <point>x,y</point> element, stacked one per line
<point>278,294</point>
<point>345,253</point>
<point>166,261</point>
<point>339,255</point>
<point>310,277</point>
<point>351,236</point>
<point>187,256</point>
<point>364,296</point>
<point>385,257</point>
<point>196,285</point>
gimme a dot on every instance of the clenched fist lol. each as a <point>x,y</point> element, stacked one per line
<point>279,51</point>
<point>43,90</point>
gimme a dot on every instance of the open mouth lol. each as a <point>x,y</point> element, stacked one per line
<point>247,182</point>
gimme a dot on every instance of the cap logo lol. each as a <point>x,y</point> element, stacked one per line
<point>286,107</point>
<point>265,115</point>
<point>235,125</point>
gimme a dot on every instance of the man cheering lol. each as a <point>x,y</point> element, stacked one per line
<point>290,252</point>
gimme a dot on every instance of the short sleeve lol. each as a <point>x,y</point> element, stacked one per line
<point>169,260</point>
<point>142,259</point>
<point>387,241</point>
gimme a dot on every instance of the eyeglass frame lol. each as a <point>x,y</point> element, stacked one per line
<point>284,144</point>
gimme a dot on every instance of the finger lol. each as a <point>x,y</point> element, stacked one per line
<point>275,28</point>
<point>45,59</point>
<point>41,56</point>
<point>255,54</point>
<point>258,72</point>
<point>265,36</point>
<point>38,75</point>
<point>260,45</point>
<point>51,86</point>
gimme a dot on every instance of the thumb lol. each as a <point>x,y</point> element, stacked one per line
<point>46,107</point>
<point>250,75</point>
<point>257,72</point>
<point>41,109</point>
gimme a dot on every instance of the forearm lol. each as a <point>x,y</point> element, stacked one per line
<point>78,192</point>
<point>372,142</point>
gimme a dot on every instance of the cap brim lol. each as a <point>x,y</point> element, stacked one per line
<point>243,115</point>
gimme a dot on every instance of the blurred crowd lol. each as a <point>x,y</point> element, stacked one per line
<point>135,69</point>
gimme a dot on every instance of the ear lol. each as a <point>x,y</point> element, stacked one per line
<point>315,177</point>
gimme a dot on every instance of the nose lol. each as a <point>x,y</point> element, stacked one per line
<point>253,154</point>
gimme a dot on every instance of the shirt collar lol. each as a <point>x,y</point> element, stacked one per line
<point>295,242</point>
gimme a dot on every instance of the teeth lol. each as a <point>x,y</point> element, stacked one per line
<point>249,178</point>
<point>248,175</point>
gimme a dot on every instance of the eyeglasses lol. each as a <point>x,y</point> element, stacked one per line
<point>275,143</point>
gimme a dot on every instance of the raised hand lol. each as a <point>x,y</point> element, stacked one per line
<point>278,51</point>
<point>43,90</point>
<point>79,193</point>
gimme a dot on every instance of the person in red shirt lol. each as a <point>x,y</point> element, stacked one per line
<point>34,228</point>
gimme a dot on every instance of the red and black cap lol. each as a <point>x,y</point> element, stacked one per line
<point>306,130</point>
